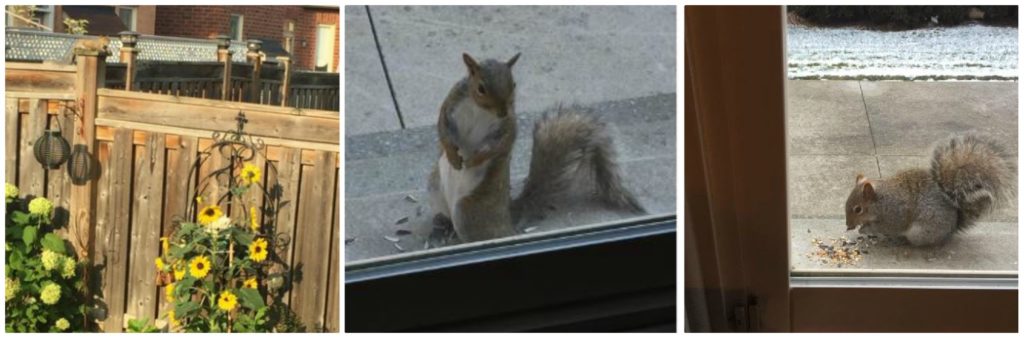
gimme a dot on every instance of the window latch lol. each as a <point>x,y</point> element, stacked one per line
<point>745,316</point>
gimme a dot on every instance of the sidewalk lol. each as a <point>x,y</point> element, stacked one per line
<point>617,63</point>
<point>837,129</point>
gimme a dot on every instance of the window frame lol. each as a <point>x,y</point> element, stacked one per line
<point>737,203</point>
<point>623,279</point>
<point>135,16</point>
<point>316,52</point>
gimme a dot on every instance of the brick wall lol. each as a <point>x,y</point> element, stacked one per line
<point>260,22</point>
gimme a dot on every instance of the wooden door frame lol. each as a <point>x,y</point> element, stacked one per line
<point>736,199</point>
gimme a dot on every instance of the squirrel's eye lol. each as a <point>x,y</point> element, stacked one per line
<point>858,209</point>
<point>480,89</point>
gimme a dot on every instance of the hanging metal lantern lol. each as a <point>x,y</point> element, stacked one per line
<point>80,166</point>
<point>51,149</point>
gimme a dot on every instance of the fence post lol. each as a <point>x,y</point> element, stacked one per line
<point>128,55</point>
<point>253,56</point>
<point>286,78</point>
<point>90,76</point>
<point>224,56</point>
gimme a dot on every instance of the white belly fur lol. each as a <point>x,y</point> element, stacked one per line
<point>456,184</point>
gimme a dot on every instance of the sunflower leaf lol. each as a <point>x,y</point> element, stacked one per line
<point>183,310</point>
<point>243,238</point>
<point>250,298</point>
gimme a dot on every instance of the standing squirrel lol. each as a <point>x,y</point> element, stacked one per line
<point>970,175</point>
<point>469,186</point>
<point>97,44</point>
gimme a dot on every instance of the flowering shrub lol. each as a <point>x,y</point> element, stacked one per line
<point>44,289</point>
<point>215,270</point>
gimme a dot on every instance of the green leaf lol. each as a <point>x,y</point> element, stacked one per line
<point>15,260</point>
<point>243,238</point>
<point>250,298</point>
<point>183,310</point>
<point>54,243</point>
<point>20,217</point>
<point>28,235</point>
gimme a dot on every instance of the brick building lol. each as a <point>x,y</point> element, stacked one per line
<point>311,34</point>
<point>315,30</point>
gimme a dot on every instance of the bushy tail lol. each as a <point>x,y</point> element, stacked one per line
<point>570,149</point>
<point>974,171</point>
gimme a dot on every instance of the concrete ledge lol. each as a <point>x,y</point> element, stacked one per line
<point>990,246</point>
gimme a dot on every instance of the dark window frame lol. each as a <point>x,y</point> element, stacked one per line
<point>619,277</point>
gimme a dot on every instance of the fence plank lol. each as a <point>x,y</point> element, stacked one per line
<point>112,243</point>
<point>179,186</point>
<point>333,314</point>
<point>283,184</point>
<point>59,184</point>
<point>11,137</point>
<point>149,193</point>
<point>309,298</point>
<point>31,174</point>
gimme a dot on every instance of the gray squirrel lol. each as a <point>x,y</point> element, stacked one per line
<point>469,186</point>
<point>970,175</point>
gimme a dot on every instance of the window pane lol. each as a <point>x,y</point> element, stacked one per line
<point>882,95</point>
<point>236,27</point>
<point>324,47</point>
<point>127,17</point>
<point>625,81</point>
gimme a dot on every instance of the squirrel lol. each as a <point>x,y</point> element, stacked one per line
<point>97,44</point>
<point>469,185</point>
<point>970,175</point>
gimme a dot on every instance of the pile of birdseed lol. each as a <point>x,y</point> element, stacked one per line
<point>839,252</point>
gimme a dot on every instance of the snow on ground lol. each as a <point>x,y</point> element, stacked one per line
<point>971,52</point>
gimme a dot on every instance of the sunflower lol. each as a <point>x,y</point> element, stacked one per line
<point>164,244</point>
<point>250,174</point>
<point>253,223</point>
<point>160,264</point>
<point>179,271</point>
<point>170,317</point>
<point>258,250</point>
<point>227,301</point>
<point>199,267</point>
<point>169,292</point>
<point>209,214</point>
<point>251,283</point>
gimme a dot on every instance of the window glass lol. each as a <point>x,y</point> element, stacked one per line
<point>611,69</point>
<point>127,15</point>
<point>325,47</point>
<point>924,106</point>
<point>236,27</point>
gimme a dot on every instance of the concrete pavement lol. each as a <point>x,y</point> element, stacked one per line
<point>617,63</point>
<point>837,129</point>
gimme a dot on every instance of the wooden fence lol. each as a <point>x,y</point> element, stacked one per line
<point>254,82</point>
<point>145,145</point>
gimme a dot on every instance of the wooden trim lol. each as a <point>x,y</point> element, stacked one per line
<point>735,64</point>
<point>49,67</point>
<point>915,310</point>
<point>104,126</point>
<point>236,106</point>
<point>216,116</point>
<point>15,95</point>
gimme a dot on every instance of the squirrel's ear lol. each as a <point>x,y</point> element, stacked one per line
<point>511,62</point>
<point>470,63</point>
<point>869,192</point>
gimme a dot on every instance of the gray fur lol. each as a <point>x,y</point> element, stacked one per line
<point>571,149</point>
<point>969,176</point>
